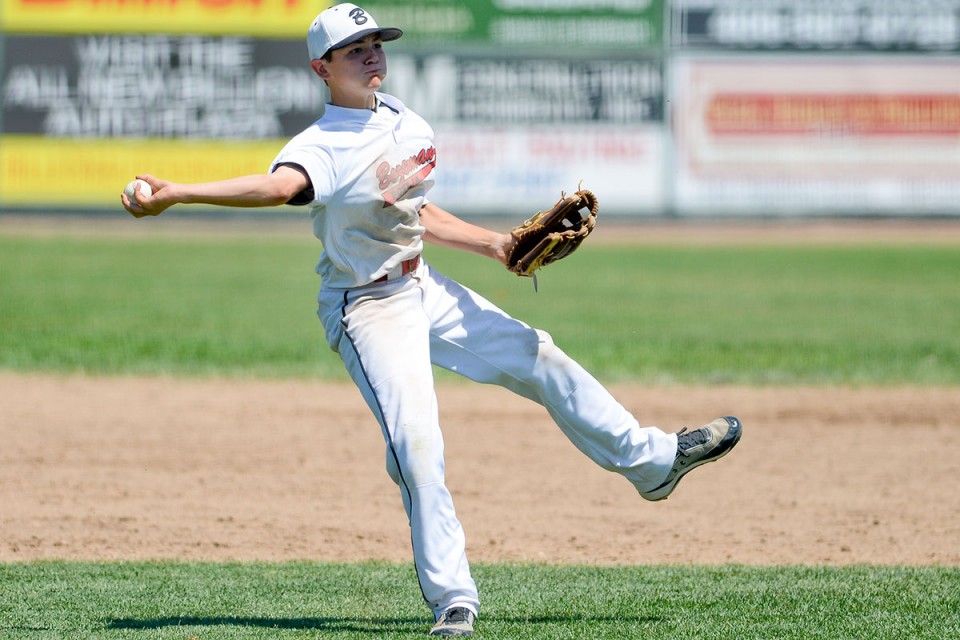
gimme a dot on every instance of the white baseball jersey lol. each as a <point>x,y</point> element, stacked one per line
<point>368,187</point>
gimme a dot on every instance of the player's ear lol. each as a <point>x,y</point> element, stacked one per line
<point>319,67</point>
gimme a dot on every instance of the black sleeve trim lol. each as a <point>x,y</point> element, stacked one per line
<point>307,195</point>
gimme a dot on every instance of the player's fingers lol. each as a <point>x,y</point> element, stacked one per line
<point>132,208</point>
<point>155,183</point>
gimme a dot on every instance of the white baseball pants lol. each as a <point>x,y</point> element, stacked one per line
<point>389,333</point>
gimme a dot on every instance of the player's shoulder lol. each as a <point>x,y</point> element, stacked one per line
<point>307,147</point>
<point>331,130</point>
<point>310,138</point>
<point>410,117</point>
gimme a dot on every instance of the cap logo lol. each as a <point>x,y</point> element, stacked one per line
<point>358,16</point>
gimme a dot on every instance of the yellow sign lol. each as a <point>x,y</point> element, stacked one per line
<point>92,172</point>
<point>268,18</point>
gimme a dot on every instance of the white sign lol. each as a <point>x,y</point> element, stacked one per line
<point>520,170</point>
<point>792,134</point>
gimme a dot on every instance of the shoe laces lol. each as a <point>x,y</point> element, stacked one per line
<point>689,439</point>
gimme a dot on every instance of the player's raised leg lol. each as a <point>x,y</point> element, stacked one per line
<point>494,348</point>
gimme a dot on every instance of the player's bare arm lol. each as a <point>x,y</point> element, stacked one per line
<point>447,230</point>
<point>260,190</point>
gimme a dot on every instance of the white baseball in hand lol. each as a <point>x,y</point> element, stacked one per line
<point>144,189</point>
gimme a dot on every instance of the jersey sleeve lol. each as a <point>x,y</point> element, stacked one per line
<point>317,163</point>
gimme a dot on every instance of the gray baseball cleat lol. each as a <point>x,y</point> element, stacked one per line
<point>698,447</point>
<point>455,621</point>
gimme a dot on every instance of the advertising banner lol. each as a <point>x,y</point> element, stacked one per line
<point>519,130</point>
<point>483,170</point>
<point>99,108</point>
<point>90,173</point>
<point>103,107</point>
<point>766,135</point>
<point>492,89</point>
<point>812,25</point>
<point>547,25</point>
<point>276,18</point>
<point>108,86</point>
<point>580,24</point>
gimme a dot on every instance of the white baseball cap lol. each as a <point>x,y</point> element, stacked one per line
<point>341,25</point>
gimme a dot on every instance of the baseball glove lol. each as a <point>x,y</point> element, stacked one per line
<point>552,235</point>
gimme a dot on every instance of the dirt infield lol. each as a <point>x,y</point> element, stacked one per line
<point>138,468</point>
<point>144,468</point>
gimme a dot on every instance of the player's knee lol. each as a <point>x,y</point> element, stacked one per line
<point>551,359</point>
<point>546,348</point>
<point>393,470</point>
<point>413,469</point>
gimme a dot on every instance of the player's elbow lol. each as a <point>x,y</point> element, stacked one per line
<point>283,185</point>
<point>277,193</point>
<point>277,197</point>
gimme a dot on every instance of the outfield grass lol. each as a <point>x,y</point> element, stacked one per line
<point>70,601</point>
<point>204,305</point>
<point>246,306</point>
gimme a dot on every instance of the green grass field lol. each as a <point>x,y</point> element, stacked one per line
<point>244,306</point>
<point>362,601</point>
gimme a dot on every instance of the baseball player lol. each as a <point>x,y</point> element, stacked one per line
<point>364,171</point>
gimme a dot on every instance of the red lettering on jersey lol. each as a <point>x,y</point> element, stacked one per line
<point>391,196</point>
<point>396,180</point>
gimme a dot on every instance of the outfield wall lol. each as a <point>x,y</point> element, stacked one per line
<point>690,107</point>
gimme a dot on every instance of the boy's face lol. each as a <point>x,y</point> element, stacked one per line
<point>359,66</point>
